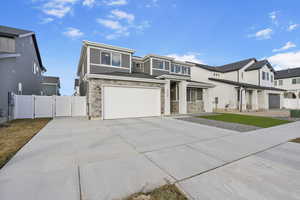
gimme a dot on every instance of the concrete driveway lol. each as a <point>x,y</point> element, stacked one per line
<point>74,158</point>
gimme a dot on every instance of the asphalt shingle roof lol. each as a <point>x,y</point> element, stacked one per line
<point>228,67</point>
<point>246,85</point>
<point>51,79</point>
<point>287,73</point>
<point>12,32</point>
<point>259,64</point>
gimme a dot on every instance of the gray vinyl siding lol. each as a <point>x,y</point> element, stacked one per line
<point>159,72</point>
<point>137,69</point>
<point>49,90</point>
<point>147,67</point>
<point>7,45</point>
<point>98,69</point>
<point>95,69</point>
<point>19,69</point>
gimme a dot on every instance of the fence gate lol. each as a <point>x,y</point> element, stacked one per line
<point>31,106</point>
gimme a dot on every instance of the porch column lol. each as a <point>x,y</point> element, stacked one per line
<point>167,98</point>
<point>244,100</point>
<point>254,100</point>
<point>265,99</point>
<point>182,97</point>
<point>208,105</point>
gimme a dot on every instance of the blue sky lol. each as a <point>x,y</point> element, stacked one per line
<point>211,32</point>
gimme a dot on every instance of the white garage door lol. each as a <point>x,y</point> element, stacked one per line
<point>126,102</point>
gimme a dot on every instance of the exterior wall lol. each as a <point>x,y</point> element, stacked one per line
<point>174,107</point>
<point>94,94</point>
<point>7,45</point>
<point>287,84</point>
<point>19,70</point>
<point>266,83</point>
<point>226,94</point>
<point>147,66</point>
<point>251,77</point>
<point>233,76</point>
<point>156,72</point>
<point>49,90</point>
<point>97,68</point>
<point>195,106</point>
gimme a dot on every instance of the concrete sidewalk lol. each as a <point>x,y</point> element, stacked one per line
<point>74,158</point>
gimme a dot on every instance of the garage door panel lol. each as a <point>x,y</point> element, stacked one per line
<point>274,101</point>
<point>126,102</point>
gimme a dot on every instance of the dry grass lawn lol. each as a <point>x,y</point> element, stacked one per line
<point>166,192</point>
<point>297,140</point>
<point>15,134</point>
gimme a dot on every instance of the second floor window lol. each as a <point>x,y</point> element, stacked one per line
<point>264,76</point>
<point>160,64</point>
<point>105,58</point>
<point>116,59</point>
<point>280,82</point>
<point>180,69</point>
<point>296,81</point>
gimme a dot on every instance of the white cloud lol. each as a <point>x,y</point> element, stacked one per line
<point>273,17</point>
<point>286,60</point>
<point>122,15</point>
<point>191,57</point>
<point>115,2</point>
<point>263,34</point>
<point>47,20</point>
<point>292,27</point>
<point>58,8</point>
<point>88,3</point>
<point>115,25</point>
<point>152,3</point>
<point>287,46</point>
<point>119,30</point>
<point>73,33</point>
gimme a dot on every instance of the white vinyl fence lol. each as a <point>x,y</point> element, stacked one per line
<point>291,103</point>
<point>31,106</point>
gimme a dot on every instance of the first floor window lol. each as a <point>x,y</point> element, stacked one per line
<point>105,58</point>
<point>199,94</point>
<point>116,59</point>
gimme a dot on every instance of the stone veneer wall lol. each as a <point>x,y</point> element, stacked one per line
<point>174,107</point>
<point>94,94</point>
<point>195,107</point>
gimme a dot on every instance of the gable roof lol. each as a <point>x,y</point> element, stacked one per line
<point>228,67</point>
<point>51,79</point>
<point>259,64</point>
<point>15,32</point>
<point>287,73</point>
<point>236,65</point>
<point>246,85</point>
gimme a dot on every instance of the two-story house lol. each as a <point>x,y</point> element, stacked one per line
<point>21,66</point>
<point>50,86</point>
<point>289,80</point>
<point>120,85</point>
<point>244,85</point>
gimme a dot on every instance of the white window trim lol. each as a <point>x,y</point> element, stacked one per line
<point>164,65</point>
<point>180,72</point>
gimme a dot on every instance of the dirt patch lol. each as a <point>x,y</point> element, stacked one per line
<point>15,134</point>
<point>297,140</point>
<point>166,192</point>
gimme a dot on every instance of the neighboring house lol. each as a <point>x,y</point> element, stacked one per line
<point>120,85</point>
<point>50,86</point>
<point>245,85</point>
<point>289,80</point>
<point>21,66</point>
